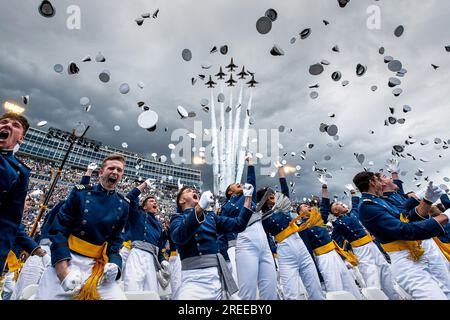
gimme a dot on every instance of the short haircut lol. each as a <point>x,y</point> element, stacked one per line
<point>23,121</point>
<point>331,206</point>
<point>179,196</point>
<point>361,180</point>
<point>260,194</point>
<point>227,190</point>
<point>146,199</point>
<point>117,157</point>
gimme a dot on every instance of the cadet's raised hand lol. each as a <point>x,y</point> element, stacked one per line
<point>150,183</point>
<point>392,165</point>
<point>432,193</point>
<point>323,180</point>
<point>92,166</point>
<point>349,187</point>
<point>248,190</point>
<point>249,158</point>
<point>206,199</point>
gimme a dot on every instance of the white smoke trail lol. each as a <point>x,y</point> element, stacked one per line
<point>235,143</point>
<point>244,143</point>
<point>222,150</point>
<point>214,145</point>
<point>230,162</point>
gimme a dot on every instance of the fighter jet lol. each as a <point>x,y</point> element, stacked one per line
<point>252,82</point>
<point>210,83</point>
<point>231,66</point>
<point>231,81</point>
<point>242,74</point>
<point>221,74</point>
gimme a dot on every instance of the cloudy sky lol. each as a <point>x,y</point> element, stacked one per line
<point>31,45</point>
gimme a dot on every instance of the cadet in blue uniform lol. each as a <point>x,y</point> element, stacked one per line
<point>400,238</point>
<point>250,249</point>
<point>205,274</point>
<point>13,182</point>
<point>86,238</point>
<point>174,260</point>
<point>393,194</point>
<point>334,271</point>
<point>35,265</point>
<point>374,268</point>
<point>295,263</point>
<point>145,232</point>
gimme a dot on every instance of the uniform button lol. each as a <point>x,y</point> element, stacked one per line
<point>87,201</point>
<point>120,201</point>
<point>119,208</point>
<point>198,244</point>
<point>89,193</point>
<point>84,221</point>
<point>113,227</point>
<point>82,233</point>
<point>118,218</point>
<point>196,234</point>
<point>86,210</point>
<point>199,253</point>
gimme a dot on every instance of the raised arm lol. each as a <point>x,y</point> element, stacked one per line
<point>282,176</point>
<point>239,223</point>
<point>378,221</point>
<point>251,175</point>
<point>325,202</point>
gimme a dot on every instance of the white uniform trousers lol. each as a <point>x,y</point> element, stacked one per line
<point>175,274</point>
<point>140,273</point>
<point>415,277</point>
<point>50,286</point>
<point>375,270</point>
<point>296,265</point>
<point>7,286</point>
<point>200,284</point>
<point>255,265</point>
<point>232,255</point>
<point>438,265</point>
<point>124,253</point>
<point>335,274</point>
<point>31,273</point>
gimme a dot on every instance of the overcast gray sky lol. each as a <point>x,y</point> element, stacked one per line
<point>31,45</point>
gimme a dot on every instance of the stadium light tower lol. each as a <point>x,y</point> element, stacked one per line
<point>12,107</point>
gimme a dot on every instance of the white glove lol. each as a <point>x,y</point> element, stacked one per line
<point>421,193</point>
<point>392,165</point>
<point>322,179</point>
<point>150,183</point>
<point>349,187</point>
<point>72,282</point>
<point>206,199</point>
<point>110,272</point>
<point>46,260</point>
<point>248,157</point>
<point>248,190</point>
<point>278,164</point>
<point>433,193</point>
<point>165,266</point>
<point>92,166</point>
